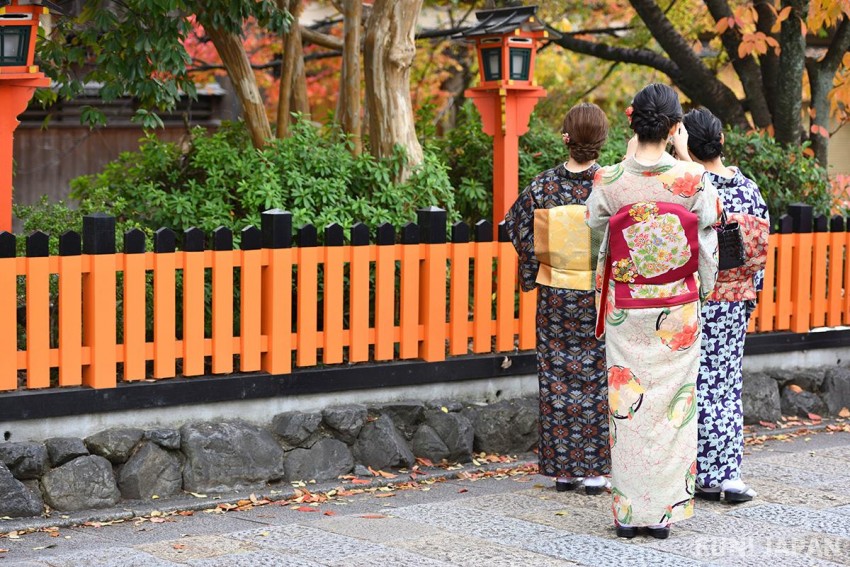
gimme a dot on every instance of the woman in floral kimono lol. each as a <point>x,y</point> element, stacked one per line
<point>556,255</point>
<point>725,317</point>
<point>658,260</point>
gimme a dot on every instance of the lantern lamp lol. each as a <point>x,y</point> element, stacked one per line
<point>506,41</point>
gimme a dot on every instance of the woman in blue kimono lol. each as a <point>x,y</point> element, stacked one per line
<point>557,254</point>
<point>725,319</point>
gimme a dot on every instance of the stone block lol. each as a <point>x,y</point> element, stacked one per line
<point>18,500</point>
<point>801,403</point>
<point>296,427</point>
<point>151,471</point>
<point>24,460</point>
<point>405,415</point>
<point>836,389</point>
<point>81,484</point>
<point>115,445</point>
<point>345,421</point>
<point>760,398</point>
<point>506,426</point>
<point>456,432</point>
<point>428,444</point>
<point>64,449</point>
<point>165,438</point>
<point>380,446</point>
<point>327,459</point>
<point>228,455</point>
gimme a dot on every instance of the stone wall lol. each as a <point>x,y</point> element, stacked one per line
<point>126,464</point>
<point>70,474</point>
<point>772,393</point>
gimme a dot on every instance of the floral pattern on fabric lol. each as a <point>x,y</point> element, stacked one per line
<point>624,270</point>
<point>678,330</point>
<point>721,421</point>
<point>625,393</point>
<point>573,393</point>
<point>658,244</point>
<point>662,290</point>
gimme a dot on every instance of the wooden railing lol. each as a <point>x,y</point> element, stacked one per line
<point>90,316</point>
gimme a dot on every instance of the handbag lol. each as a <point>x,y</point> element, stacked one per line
<point>730,244</point>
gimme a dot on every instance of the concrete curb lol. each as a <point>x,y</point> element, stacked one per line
<point>138,509</point>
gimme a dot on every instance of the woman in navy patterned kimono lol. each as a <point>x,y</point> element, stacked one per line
<point>557,255</point>
<point>725,319</point>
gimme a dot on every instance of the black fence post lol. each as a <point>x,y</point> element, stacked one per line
<point>801,214</point>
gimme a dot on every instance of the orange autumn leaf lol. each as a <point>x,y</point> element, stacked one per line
<point>844,412</point>
<point>815,417</point>
<point>373,516</point>
<point>306,509</point>
<point>795,388</point>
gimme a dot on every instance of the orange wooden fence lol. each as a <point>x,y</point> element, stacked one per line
<point>92,317</point>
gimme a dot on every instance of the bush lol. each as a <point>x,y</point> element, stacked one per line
<point>784,174</point>
<point>219,179</point>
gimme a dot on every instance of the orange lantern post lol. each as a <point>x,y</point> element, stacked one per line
<point>19,78</point>
<point>506,40</point>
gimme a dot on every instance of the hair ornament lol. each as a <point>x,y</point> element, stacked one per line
<point>566,137</point>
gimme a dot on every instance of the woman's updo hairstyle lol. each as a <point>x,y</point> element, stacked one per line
<point>704,134</point>
<point>585,130</point>
<point>655,109</point>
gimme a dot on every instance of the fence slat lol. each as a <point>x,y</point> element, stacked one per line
<point>8,312</point>
<point>70,310</point>
<point>482,288</point>
<point>194,292</point>
<point>846,303</point>
<point>135,312</point>
<point>334,290</point>
<point>527,319</point>
<point>820,254</point>
<point>277,292</point>
<point>801,267</point>
<point>222,301</point>
<point>250,296</point>
<point>408,303</point>
<point>385,292</point>
<point>506,277</point>
<point>164,307</point>
<point>358,344</point>
<point>784,275</point>
<point>836,270</point>
<point>459,290</point>
<point>99,287</point>
<point>38,311</point>
<point>307,294</point>
<point>432,284</point>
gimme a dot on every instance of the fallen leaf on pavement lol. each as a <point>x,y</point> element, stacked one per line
<point>815,417</point>
<point>373,516</point>
<point>768,424</point>
<point>795,388</point>
<point>306,509</point>
<point>844,412</point>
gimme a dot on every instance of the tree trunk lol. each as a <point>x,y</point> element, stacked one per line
<point>299,101</point>
<point>787,119</point>
<point>389,52</point>
<point>769,62</point>
<point>235,60</point>
<point>349,114</point>
<point>291,43</point>
<point>747,69</point>
<point>821,77</point>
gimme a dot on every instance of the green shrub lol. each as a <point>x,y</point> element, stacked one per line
<point>219,179</point>
<point>784,174</point>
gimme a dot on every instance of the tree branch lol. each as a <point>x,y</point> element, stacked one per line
<point>697,80</point>
<point>321,39</point>
<point>839,46</point>
<point>747,69</point>
<point>645,57</point>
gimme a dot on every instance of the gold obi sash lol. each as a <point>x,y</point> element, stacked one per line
<point>563,248</point>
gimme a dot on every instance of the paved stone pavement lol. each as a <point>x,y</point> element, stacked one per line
<point>801,517</point>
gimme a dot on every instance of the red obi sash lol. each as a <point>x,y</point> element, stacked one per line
<point>653,254</point>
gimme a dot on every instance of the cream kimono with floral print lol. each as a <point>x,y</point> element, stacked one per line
<point>653,338</point>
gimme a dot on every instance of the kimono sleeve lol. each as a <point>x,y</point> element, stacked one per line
<point>519,223</point>
<point>707,207</point>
